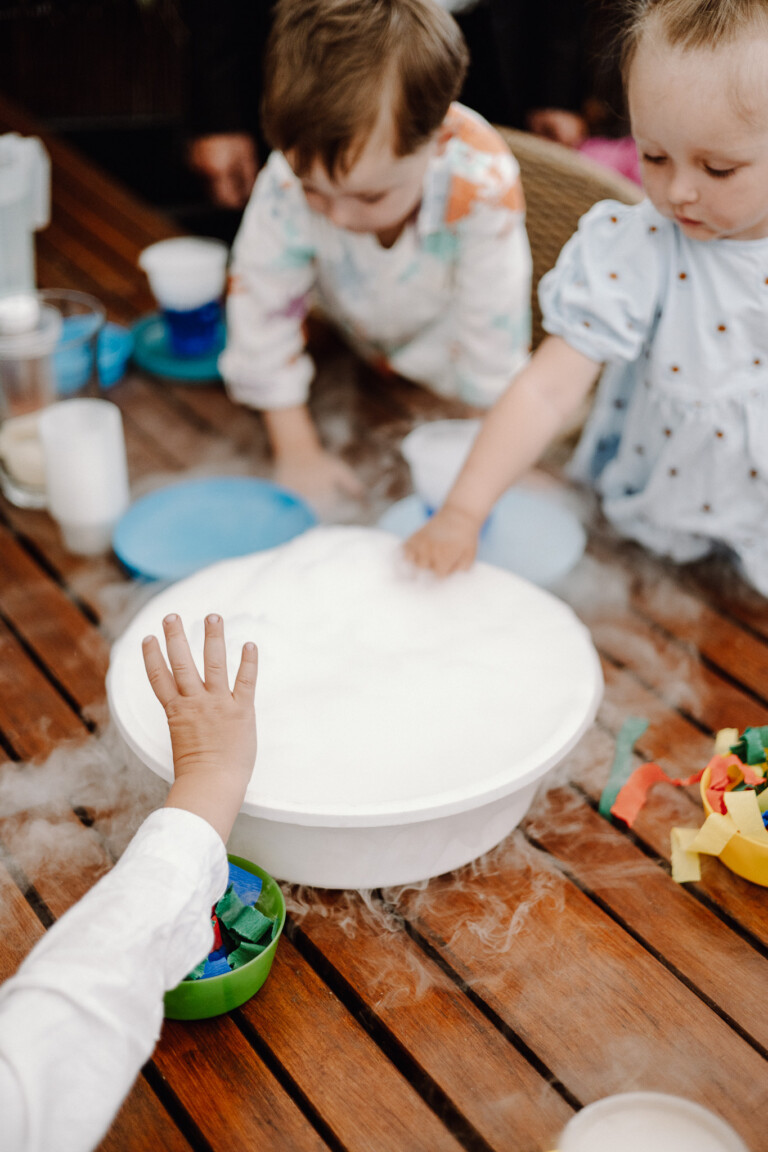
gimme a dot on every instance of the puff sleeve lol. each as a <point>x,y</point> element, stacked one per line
<point>602,297</point>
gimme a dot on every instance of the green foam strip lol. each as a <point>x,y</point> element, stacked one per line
<point>621,769</point>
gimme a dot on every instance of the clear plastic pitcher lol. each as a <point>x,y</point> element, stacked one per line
<point>25,205</point>
<point>48,343</point>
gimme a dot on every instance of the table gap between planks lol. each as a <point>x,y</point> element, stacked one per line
<point>479,1012</point>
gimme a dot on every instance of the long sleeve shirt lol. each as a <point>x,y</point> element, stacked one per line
<point>84,1011</point>
<point>447,306</point>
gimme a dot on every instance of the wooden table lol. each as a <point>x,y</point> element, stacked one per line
<point>483,1010</point>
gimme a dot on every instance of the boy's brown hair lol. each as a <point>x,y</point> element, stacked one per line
<point>332,64</point>
<point>690,23</point>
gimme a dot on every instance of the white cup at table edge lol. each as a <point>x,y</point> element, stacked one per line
<point>606,1125</point>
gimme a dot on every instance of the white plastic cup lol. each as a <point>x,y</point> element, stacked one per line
<point>648,1122</point>
<point>435,454</point>
<point>48,343</point>
<point>187,276</point>
<point>86,472</point>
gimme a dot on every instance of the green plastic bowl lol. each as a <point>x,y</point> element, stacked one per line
<point>199,999</point>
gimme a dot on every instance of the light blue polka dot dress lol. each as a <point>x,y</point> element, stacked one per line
<point>677,441</point>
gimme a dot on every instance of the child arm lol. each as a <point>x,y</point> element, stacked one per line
<point>514,434</point>
<point>301,461</point>
<point>265,364</point>
<point>83,1013</point>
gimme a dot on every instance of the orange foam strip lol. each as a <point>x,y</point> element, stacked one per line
<point>725,771</point>
<point>634,794</point>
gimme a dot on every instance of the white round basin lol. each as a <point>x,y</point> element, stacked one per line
<point>403,722</point>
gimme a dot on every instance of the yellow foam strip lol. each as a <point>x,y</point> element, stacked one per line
<point>685,864</point>
<point>713,835</point>
<point>724,739</point>
<point>745,812</point>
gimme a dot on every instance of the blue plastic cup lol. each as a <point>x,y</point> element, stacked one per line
<point>187,276</point>
<point>196,332</point>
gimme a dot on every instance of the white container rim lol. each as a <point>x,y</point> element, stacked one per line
<point>394,812</point>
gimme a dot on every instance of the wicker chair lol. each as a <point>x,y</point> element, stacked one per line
<point>559,187</point>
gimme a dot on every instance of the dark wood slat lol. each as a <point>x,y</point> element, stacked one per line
<point>659,599</point>
<point>674,671</point>
<point>669,807</point>
<point>143,1125</point>
<point>636,1025</point>
<point>367,1104</point>
<point>72,245</point>
<point>228,1091</point>
<point>182,442</point>
<point>54,271</point>
<point>88,181</point>
<point>20,926</point>
<point>671,738</point>
<point>56,631</point>
<point>492,1084</point>
<point>25,693</point>
<point>690,938</point>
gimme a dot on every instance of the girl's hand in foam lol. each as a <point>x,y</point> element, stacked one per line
<point>447,543</point>
<point>213,729</point>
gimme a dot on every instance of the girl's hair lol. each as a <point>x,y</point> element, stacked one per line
<point>689,23</point>
<point>332,64</point>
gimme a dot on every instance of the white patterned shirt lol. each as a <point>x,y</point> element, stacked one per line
<point>447,306</point>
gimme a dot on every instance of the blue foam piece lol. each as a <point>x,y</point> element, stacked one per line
<point>219,954</point>
<point>218,967</point>
<point>246,884</point>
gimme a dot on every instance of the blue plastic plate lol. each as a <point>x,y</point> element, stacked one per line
<point>527,533</point>
<point>152,352</point>
<point>177,530</point>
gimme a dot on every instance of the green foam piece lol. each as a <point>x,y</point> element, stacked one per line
<point>245,952</point>
<point>241,920</point>
<point>197,971</point>
<point>621,769</point>
<point>753,739</point>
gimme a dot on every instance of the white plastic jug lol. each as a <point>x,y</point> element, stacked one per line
<point>25,206</point>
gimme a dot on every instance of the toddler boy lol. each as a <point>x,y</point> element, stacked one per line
<point>394,210</point>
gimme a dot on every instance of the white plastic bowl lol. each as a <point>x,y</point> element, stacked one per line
<point>435,453</point>
<point>643,1121</point>
<point>404,723</point>
<point>185,272</point>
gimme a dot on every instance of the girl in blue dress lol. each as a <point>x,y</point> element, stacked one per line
<point>671,296</point>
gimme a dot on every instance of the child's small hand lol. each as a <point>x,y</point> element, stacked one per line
<point>320,478</point>
<point>213,729</point>
<point>447,543</point>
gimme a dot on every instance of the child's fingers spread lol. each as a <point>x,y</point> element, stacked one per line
<point>245,681</point>
<point>215,654</point>
<point>158,673</point>
<point>183,667</point>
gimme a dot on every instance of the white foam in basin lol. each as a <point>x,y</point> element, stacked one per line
<point>384,698</point>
